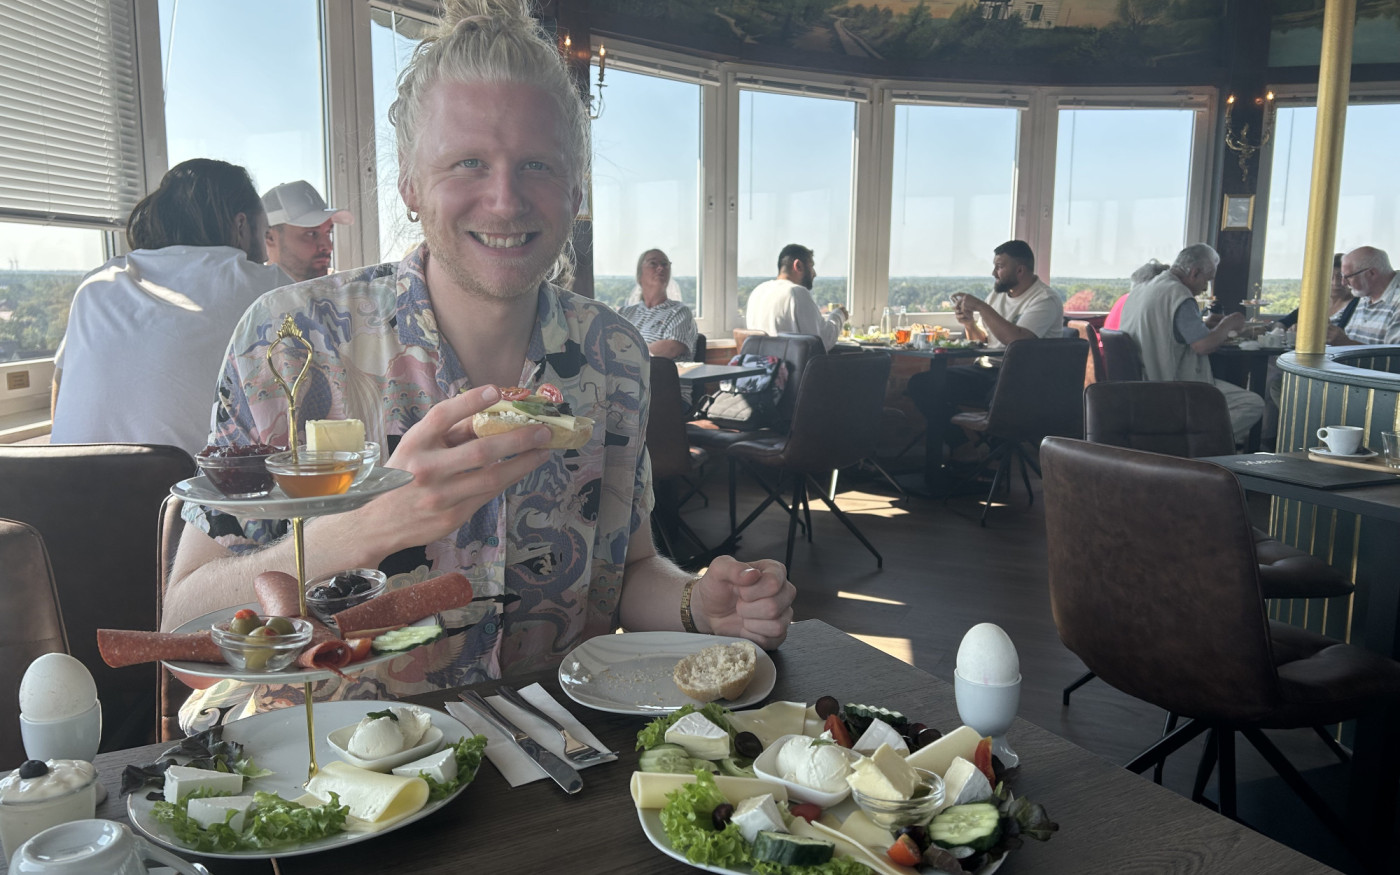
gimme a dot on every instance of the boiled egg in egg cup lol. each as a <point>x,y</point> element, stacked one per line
<point>59,715</point>
<point>987,685</point>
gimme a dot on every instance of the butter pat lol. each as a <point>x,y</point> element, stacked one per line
<point>181,781</point>
<point>208,810</point>
<point>886,775</point>
<point>701,738</point>
<point>332,435</point>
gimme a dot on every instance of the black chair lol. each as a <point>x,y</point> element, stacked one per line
<point>1094,372</point>
<point>672,465</point>
<point>1040,392</point>
<point>1122,360</point>
<point>835,423</point>
<point>700,348</point>
<point>31,624</point>
<point>1187,630</point>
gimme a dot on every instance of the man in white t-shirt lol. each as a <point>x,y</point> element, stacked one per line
<point>785,305</point>
<point>300,229</point>
<point>1020,306</point>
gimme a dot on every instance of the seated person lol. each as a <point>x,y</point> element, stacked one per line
<point>1161,314</point>
<point>1341,303</point>
<point>784,305</point>
<point>415,349</point>
<point>147,330</point>
<point>1376,286</point>
<point>666,325</point>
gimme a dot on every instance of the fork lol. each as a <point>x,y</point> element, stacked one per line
<point>575,751</point>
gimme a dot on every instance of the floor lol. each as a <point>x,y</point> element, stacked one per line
<point>957,574</point>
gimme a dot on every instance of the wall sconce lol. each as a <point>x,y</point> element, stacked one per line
<point>595,104</point>
<point>1240,143</point>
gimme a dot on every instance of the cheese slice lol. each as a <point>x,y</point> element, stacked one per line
<point>375,800</point>
<point>772,721</point>
<point>700,737</point>
<point>965,783</point>
<point>879,732</point>
<point>938,756</point>
<point>897,770</point>
<point>207,810</point>
<point>649,789</point>
<point>181,781</point>
<point>848,847</point>
<point>756,814</point>
<point>332,435</point>
<point>860,827</point>
<point>562,420</point>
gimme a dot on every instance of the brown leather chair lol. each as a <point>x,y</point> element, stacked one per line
<point>1040,392</point>
<point>1094,372</point>
<point>1121,358</point>
<point>672,464</point>
<point>31,623</point>
<point>1186,630</point>
<point>835,423</point>
<point>742,335</point>
<point>96,506</point>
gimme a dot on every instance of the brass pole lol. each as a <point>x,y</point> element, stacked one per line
<point>1334,81</point>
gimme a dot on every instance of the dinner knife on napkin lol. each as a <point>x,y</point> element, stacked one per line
<point>563,774</point>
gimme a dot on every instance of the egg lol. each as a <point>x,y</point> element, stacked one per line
<point>56,686</point>
<point>987,656</point>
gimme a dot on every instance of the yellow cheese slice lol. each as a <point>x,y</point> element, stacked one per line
<point>331,435</point>
<point>771,722</point>
<point>649,789</point>
<point>562,420</point>
<point>848,847</point>
<point>376,800</point>
<point>860,827</point>
<point>938,756</point>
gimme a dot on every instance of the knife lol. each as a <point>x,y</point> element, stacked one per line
<point>563,774</point>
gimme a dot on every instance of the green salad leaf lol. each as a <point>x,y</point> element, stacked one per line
<point>655,732</point>
<point>273,822</point>
<point>468,750</point>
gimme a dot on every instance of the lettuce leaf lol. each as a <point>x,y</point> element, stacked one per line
<point>272,823</point>
<point>468,750</point>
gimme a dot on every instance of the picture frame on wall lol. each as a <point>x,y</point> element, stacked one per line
<point>1238,213</point>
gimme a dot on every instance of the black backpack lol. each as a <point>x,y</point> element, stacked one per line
<point>749,403</point>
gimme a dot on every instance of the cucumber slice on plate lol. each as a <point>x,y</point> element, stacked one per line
<point>976,826</point>
<point>406,638</point>
<point>791,850</point>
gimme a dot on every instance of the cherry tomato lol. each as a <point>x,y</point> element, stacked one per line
<point>551,391</point>
<point>807,811</point>
<point>246,614</point>
<point>514,393</point>
<point>837,727</point>
<point>359,648</point>
<point>982,759</point>
<point>905,852</point>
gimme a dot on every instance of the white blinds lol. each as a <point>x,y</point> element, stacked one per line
<point>70,128</point>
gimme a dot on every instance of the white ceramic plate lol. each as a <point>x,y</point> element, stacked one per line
<point>631,673</point>
<point>1363,453</point>
<point>292,673</point>
<point>276,740</point>
<point>339,740</point>
<point>277,505</point>
<point>766,767</point>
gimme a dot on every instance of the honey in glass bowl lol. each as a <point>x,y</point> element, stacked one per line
<point>311,475</point>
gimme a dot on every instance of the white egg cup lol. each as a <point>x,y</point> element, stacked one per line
<point>989,709</point>
<point>67,738</point>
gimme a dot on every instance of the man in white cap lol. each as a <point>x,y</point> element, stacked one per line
<point>299,237</point>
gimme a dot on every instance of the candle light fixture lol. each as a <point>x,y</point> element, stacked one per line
<point>595,103</point>
<point>1240,143</point>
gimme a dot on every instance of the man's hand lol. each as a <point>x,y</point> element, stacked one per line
<point>1337,336</point>
<point>750,600</point>
<point>1232,322</point>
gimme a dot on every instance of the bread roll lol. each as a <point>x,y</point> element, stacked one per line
<point>722,671</point>
<point>561,438</point>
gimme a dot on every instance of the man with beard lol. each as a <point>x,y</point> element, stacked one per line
<point>300,228</point>
<point>1021,306</point>
<point>785,306</point>
<point>493,151</point>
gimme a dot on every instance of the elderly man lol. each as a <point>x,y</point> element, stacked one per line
<point>666,325</point>
<point>1377,285</point>
<point>493,150</point>
<point>299,229</point>
<point>1161,314</point>
<point>785,306</point>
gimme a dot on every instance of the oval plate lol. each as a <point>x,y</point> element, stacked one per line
<point>277,505</point>
<point>631,673</point>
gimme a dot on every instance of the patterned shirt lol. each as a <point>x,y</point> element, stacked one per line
<point>1378,322</point>
<point>669,320</point>
<point>557,539</point>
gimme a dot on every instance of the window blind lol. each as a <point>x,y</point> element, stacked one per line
<point>70,144</point>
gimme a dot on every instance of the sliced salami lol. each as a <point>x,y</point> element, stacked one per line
<point>121,647</point>
<point>278,594</point>
<point>408,605</point>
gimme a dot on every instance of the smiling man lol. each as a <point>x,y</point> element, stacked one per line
<point>300,228</point>
<point>493,151</point>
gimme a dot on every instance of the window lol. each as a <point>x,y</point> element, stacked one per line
<point>1122,187</point>
<point>646,183</point>
<point>795,164</point>
<point>393,36</point>
<point>1368,205</point>
<point>243,84</point>
<point>40,267</point>
<point>953,191</point>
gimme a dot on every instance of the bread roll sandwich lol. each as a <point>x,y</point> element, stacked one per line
<point>721,671</point>
<point>520,407</point>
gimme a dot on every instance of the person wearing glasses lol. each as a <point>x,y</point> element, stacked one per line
<point>665,323</point>
<point>1377,285</point>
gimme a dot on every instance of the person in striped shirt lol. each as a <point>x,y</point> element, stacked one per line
<point>665,324</point>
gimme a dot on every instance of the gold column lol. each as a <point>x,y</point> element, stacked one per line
<point>1334,80</point>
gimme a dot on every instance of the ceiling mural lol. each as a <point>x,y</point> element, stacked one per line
<point>1295,39</point>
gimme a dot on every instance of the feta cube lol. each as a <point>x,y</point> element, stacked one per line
<point>181,781</point>
<point>213,809</point>
<point>440,766</point>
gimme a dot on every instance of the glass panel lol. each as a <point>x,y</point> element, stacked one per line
<point>1368,204</point>
<point>646,183</point>
<point>40,267</point>
<point>243,84</point>
<point>944,226</point>
<point>1122,180</point>
<point>392,38</point>
<point>795,165</point>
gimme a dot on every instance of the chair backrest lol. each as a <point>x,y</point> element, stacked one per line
<point>31,623</point>
<point>1154,582</point>
<point>1094,372</point>
<point>96,506</point>
<point>666,440</point>
<point>798,350</point>
<point>699,348</point>
<point>1122,360</point>
<point>837,416</point>
<point>172,693</point>
<point>1040,390</point>
<point>1179,419</point>
<point>743,334</point>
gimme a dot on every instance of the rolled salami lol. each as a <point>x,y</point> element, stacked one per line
<point>278,594</point>
<point>122,647</point>
<point>408,605</point>
<point>332,654</point>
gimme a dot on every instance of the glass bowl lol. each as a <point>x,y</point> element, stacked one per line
<point>894,813</point>
<point>238,472</point>
<point>370,455</point>
<point>309,475</point>
<point>261,653</point>
<point>327,605</point>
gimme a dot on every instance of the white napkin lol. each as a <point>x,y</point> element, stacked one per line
<point>501,750</point>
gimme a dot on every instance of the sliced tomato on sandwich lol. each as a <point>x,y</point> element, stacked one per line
<point>514,393</point>
<point>550,391</point>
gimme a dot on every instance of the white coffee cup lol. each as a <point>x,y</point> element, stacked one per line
<point>1344,440</point>
<point>94,847</point>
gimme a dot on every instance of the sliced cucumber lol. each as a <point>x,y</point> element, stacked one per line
<point>739,767</point>
<point>859,716</point>
<point>791,850</point>
<point>976,825</point>
<point>406,638</point>
<point>665,758</point>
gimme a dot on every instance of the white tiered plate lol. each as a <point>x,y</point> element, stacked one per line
<point>278,505</point>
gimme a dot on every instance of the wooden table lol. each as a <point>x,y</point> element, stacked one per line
<point>1111,821</point>
<point>699,374</point>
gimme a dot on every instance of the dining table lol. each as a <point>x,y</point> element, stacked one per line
<point>939,360</point>
<point>693,374</point>
<point>1110,820</point>
<point>1248,368</point>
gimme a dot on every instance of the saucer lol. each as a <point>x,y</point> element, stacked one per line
<point>1362,453</point>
